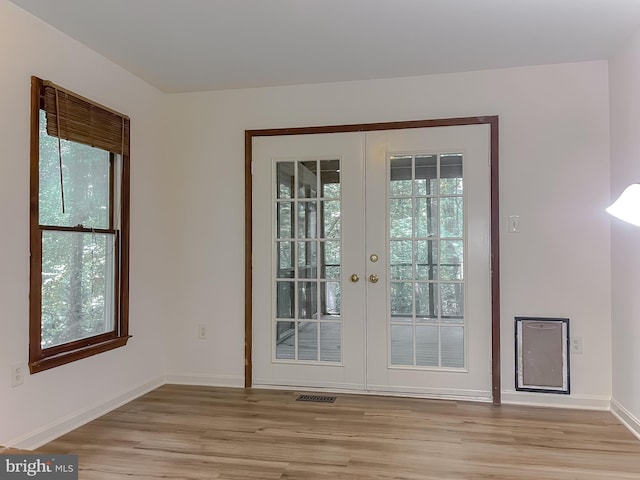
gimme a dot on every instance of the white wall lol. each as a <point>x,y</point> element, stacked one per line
<point>52,401</point>
<point>624,78</point>
<point>188,216</point>
<point>554,173</point>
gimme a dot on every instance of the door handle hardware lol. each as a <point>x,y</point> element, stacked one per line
<point>373,258</point>
<point>373,278</point>
<point>354,278</point>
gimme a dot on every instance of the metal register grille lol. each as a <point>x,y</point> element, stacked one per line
<point>315,398</point>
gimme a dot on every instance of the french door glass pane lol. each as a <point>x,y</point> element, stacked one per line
<point>452,341</point>
<point>284,251</point>
<point>426,168</point>
<point>400,171</point>
<point>285,295</point>
<point>451,217</point>
<point>330,260</point>
<point>77,286</point>
<point>427,264</point>
<point>452,302</point>
<point>401,218</point>
<point>427,346</point>
<point>307,259</point>
<point>310,301</point>
<point>426,260</point>
<point>307,219</point>
<point>330,342</point>
<point>425,217</point>
<point>452,252</point>
<point>401,345</point>
<point>401,301</point>
<point>307,179</point>
<point>308,340</point>
<point>285,340</point>
<point>331,298</point>
<point>285,179</point>
<point>332,253</point>
<point>284,220</point>
<point>451,174</point>
<point>330,225</point>
<point>330,178</point>
<point>401,259</point>
<point>427,302</point>
<point>307,299</point>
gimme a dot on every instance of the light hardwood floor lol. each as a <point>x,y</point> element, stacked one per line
<point>187,432</point>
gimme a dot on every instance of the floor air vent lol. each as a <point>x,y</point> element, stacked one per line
<point>315,398</point>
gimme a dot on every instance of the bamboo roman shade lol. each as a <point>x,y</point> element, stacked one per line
<point>74,118</point>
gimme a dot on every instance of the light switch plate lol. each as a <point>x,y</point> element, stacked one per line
<point>514,224</point>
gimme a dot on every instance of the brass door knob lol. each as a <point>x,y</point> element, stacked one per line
<point>355,278</point>
<point>373,278</point>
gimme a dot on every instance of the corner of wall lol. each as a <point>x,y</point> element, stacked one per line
<point>47,433</point>
<point>627,418</point>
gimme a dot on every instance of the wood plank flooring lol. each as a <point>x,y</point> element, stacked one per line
<point>187,432</point>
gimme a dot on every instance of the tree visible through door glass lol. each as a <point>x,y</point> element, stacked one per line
<point>308,250</point>
<point>426,260</point>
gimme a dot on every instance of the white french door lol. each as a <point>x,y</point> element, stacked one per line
<point>308,317</point>
<point>428,220</point>
<point>371,261</point>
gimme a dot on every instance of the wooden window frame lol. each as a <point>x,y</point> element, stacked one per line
<point>45,358</point>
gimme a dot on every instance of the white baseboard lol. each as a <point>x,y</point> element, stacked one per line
<point>626,417</point>
<point>434,393</point>
<point>582,402</point>
<point>280,384</point>
<point>205,380</point>
<point>39,437</point>
<point>357,389</point>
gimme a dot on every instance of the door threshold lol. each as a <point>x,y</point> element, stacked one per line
<point>449,396</point>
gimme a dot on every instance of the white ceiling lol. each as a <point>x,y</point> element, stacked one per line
<point>195,45</point>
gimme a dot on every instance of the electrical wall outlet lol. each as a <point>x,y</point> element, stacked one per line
<point>576,345</point>
<point>202,331</point>
<point>18,372</point>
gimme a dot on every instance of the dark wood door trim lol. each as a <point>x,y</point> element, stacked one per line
<point>492,121</point>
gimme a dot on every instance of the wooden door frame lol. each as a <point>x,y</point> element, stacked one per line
<point>492,121</point>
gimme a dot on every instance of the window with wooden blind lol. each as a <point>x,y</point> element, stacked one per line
<point>79,230</point>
